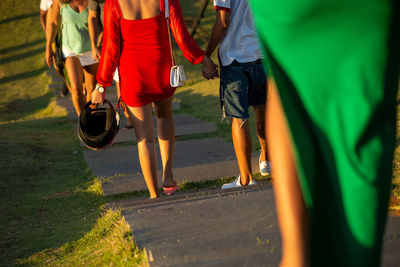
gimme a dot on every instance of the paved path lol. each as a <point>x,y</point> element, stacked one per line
<point>199,228</point>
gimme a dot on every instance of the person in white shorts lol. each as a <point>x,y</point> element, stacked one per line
<point>76,46</point>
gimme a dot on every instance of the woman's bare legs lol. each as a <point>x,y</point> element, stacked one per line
<point>90,79</point>
<point>129,123</point>
<point>142,118</point>
<point>166,138</point>
<point>291,209</point>
<point>75,75</point>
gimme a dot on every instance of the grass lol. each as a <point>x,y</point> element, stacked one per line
<point>51,205</point>
<point>108,243</point>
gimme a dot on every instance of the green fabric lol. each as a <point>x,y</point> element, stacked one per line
<point>75,30</point>
<point>335,63</point>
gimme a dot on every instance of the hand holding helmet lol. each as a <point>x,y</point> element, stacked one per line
<point>98,94</point>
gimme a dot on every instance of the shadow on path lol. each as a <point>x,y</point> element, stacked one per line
<point>24,16</point>
<point>23,75</point>
<point>21,46</point>
<point>21,56</point>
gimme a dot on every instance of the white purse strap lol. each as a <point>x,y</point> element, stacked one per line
<point>169,33</point>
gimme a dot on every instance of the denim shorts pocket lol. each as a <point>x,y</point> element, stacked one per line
<point>233,92</point>
<point>234,86</point>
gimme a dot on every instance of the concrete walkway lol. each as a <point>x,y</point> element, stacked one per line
<point>209,227</point>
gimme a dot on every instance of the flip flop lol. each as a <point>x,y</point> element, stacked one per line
<point>169,190</point>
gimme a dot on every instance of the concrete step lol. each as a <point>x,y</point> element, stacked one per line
<point>194,160</point>
<point>214,227</point>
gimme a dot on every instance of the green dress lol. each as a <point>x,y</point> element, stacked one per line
<point>336,66</point>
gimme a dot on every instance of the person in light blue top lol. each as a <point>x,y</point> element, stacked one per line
<point>76,47</point>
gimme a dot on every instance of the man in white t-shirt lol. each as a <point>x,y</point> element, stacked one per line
<point>44,8</point>
<point>242,82</point>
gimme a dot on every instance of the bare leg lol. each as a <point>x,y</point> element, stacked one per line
<point>166,138</point>
<point>90,79</point>
<point>242,144</point>
<point>260,129</point>
<point>144,129</point>
<point>129,122</point>
<point>75,75</point>
<point>291,209</point>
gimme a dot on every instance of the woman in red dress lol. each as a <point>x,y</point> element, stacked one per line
<point>136,40</point>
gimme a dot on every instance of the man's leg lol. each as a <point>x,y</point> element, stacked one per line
<point>259,112</point>
<point>242,144</point>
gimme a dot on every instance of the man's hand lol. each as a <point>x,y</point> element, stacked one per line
<point>210,69</point>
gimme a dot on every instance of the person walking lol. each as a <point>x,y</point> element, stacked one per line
<point>331,124</point>
<point>242,82</point>
<point>76,47</point>
<point>96,21</point>
<point>136,39</point>
<point>45,15</point>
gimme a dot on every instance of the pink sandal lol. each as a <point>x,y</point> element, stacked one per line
<point>169,190</point>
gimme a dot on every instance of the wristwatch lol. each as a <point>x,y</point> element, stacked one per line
<point>100,88</point>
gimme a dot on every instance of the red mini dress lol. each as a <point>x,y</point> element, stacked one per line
<point>140,49</point>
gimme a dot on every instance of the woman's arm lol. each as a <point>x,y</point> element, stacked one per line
<point>51,29</point>
<point>189,47</point>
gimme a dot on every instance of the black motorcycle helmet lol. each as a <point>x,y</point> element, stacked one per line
<point>98,125</point>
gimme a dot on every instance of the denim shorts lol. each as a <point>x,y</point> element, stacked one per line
<point>242,85</point>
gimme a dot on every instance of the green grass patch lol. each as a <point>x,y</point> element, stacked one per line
<point>51,201</point>
<point>51,205</point>
<point>109,243</point>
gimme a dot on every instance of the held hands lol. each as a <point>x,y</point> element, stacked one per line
<point>210,69</point>
<point>97,97</point>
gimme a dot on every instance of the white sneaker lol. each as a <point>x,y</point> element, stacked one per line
<point>265,167</point>
<point>237,183</point>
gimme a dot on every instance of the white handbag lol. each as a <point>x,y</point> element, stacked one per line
<point>177,76</point>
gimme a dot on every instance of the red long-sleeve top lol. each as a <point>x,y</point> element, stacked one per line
<point>113,41</point>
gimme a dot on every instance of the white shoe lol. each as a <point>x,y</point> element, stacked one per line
<point>265,167</point>
<point>237,183</point>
